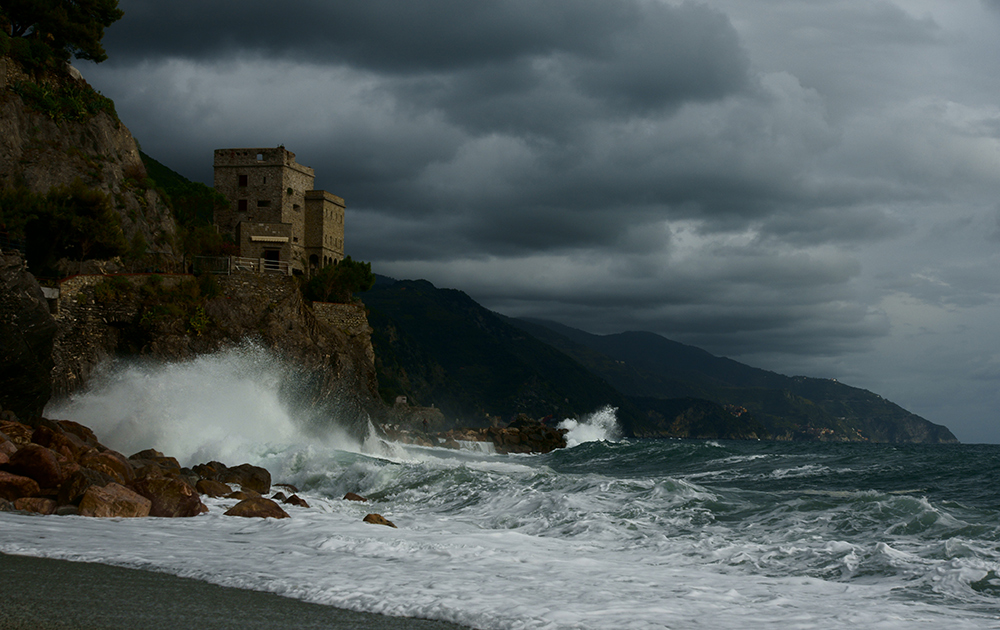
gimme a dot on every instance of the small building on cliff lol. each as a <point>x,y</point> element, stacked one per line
<point>274,213</point>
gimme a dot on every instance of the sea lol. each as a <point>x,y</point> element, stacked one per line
<point>608,533</point>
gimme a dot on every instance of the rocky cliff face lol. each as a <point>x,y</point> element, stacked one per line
<point>331,371</point>
<point>26,336</point>
<point>40,152</point>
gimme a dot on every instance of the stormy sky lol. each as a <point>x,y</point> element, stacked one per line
<point>808,187</point>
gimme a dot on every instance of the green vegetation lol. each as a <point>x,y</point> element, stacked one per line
<point>339,282</point>
<point>69,101</point>
<point>194,206</point>
<point>48,32</point>
<point>70,221</point>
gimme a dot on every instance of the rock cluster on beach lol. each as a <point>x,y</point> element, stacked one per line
<point>59,467</point>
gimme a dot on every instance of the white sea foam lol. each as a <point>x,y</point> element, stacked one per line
<point>602,425</point>
<point>503,542</point>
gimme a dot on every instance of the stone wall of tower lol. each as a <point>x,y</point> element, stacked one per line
<point>324,228</point>
<point>263,185</point>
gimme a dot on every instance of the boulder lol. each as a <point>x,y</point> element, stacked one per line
<point>257,508</point>
<point>378,519</point>
<point>4,459</point>
<point>242,495</point>
<point>278,496</point>
<point>211,470</point>
<point>6,506</point>
<point>110,463</point>
<point>13,487</point>
<point>7,447</point>
<point>37,462</point>
<point>249,477</point>
<point>59,441</point>
<point>296,500</point>
<point>350,496</point>
<point>80,431</point>
<point>19,434</point>
<point>36,505</point>
<point>287,486</point>
<point>113,500</point>
<point>169,497</point>
<point>73,489</point>
<point>213,488</point>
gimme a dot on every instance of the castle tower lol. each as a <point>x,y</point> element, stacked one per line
<point>274,214</point>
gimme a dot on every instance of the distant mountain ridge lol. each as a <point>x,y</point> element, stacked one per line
<point>439,347</point>
<point>647,365</point>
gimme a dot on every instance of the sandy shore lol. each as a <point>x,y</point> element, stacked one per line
<point>42,594</point>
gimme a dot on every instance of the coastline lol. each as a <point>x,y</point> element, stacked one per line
<point>47,594</point>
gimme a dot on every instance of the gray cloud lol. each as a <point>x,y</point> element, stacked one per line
<point>811,186</point>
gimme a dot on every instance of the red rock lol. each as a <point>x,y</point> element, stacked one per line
<point>113,500</point>
<point>213,488</point>
<point>7,447</point>
<point>66,443</point>
<point>73,489</point>
<point>19,434</point>
<point>257,508</point>
<point>80,431</point>
<point>243,495</point>
<point>350,496</point>
<point>13,487</point>
<point>296,500</point>
<point>39,463</point>
<point>378,519</point>
<point>37,505</point>
<point>249,477</point>
<point>169,497</point>
<point>110,463</point>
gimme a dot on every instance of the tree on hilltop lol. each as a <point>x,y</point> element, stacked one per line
<point>64,27</point>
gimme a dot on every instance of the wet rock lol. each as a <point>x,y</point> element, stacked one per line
<point>67,510</point>
<point>242,495</point>
<point>211,470</point>
<point>296,500</point>
<point>287,486</point>
<point>37,462</point>
<point>257,508</point>
<point>73,489</point>
<point>213,488</point>
<point>79,430</point>
<point>36,505</point>
<point>350,496</point>
<point>378,519</point>
<point>13,487</point>
<point>110,463</point>
<point>19,434</point>
<point>169,497</point>
<point>7,447</point>
<point>113,500</point>
<point>6,506</point>
<point>278,496</point>
<point>4,459</point>
<point>59,441</point>
<point>249,477</point>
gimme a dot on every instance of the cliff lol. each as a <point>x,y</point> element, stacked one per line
<point>328,357</point>
<point>56,129</point>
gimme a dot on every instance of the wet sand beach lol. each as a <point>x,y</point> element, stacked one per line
<point>44,594</point>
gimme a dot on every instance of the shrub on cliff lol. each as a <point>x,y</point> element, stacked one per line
<point>340,281</point>
<point>70,221</point>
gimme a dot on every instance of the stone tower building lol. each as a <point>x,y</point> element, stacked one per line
<point>274,214</point>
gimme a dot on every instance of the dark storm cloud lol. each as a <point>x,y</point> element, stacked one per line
<point>786,180</point>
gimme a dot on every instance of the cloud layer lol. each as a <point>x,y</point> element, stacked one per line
<point>805,186</point>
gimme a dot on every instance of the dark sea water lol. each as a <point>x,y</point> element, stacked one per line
<point>608,533</point>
